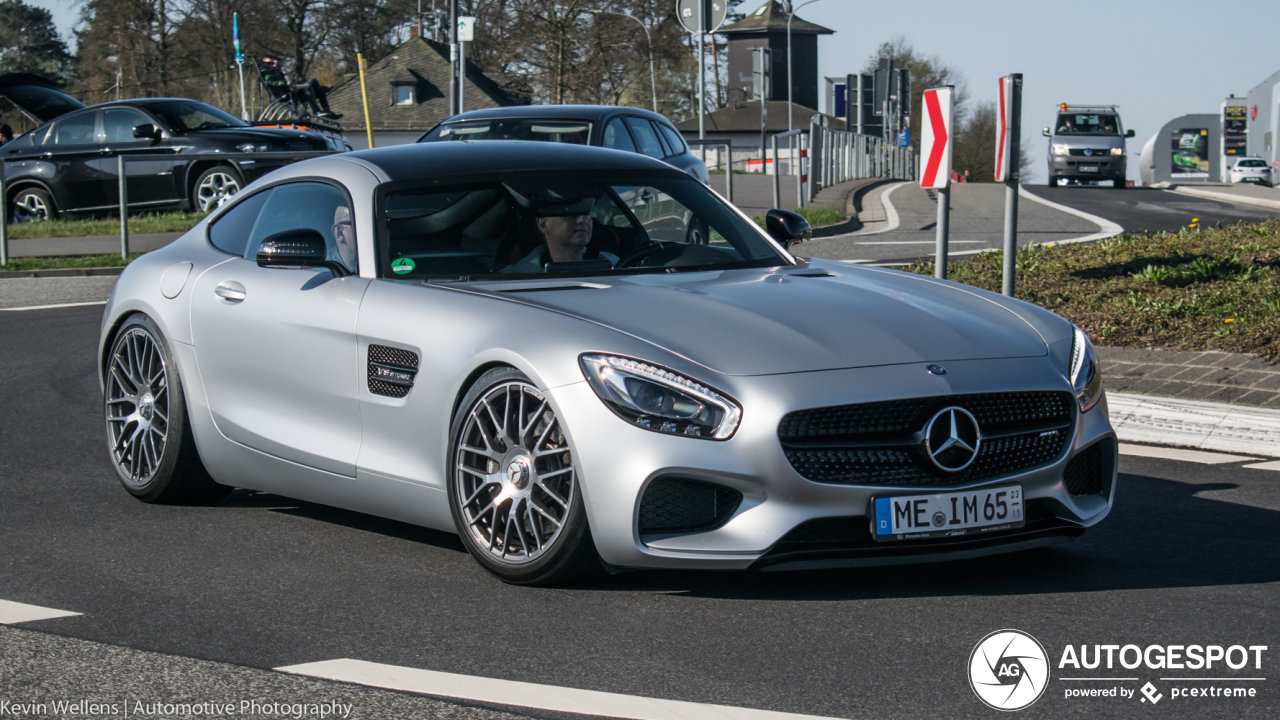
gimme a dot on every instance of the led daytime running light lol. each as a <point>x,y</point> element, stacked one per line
<point>732,413</point>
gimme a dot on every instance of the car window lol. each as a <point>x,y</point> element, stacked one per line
<point>673,138</point>
<point>1088,124</point>
<point>189,115</point>
<point>312,205</point>
<point>118,124</point>
<point>617,137</point>
<point>230,233</point>
<point>563,223</point>
<point>1251,164</point>
<point>76,130</point>
<point>574,132</point>
<point>646,137</point>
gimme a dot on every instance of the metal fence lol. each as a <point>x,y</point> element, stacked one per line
<point>839,155</point>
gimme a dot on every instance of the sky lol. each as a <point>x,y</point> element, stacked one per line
<point>1155,59</point>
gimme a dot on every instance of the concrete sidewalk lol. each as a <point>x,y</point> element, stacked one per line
<point>1243,193</point>
<point>89,245</point>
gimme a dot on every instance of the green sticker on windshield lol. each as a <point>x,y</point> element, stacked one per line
<point>402,266</point>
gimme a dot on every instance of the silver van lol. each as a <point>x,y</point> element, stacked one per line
<point>1086,145</point>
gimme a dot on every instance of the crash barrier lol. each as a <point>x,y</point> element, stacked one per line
<point>719,146</point>
<point>795,150</point>
<point>839,155</point>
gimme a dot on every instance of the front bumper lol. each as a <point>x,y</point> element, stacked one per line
<point>1109,166</point>
<point>617,461</point>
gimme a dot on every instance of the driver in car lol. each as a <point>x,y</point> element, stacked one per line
<point>344,237</point>
<point>567,237</point>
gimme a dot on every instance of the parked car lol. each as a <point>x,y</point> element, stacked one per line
<point>1251,170</point>
<point>190,154</point>
<point>482,338</point>
<point>619,128</point>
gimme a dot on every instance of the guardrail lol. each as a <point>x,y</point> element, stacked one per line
<point>728,150</point>
<point>837,156</point>
<point>122,159</point>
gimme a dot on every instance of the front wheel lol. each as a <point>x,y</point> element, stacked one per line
<point>514,490</point>
<point>148,433</point>
<point>214,187</point>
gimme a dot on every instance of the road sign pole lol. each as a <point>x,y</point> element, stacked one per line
<point>4,218</point>
<point>944,221</point>
<point>462,76</point>
<point>935,147</point>
<point>702,77</point>
<point>1013,93</point>
<point>124,207</point>
<point>453,57</point>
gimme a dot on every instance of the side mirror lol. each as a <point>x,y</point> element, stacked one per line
<point>303,247</point>
<point>1046,132</point>
<point>1128,133</point>
<point>787,227</point>
<point>146,132</point>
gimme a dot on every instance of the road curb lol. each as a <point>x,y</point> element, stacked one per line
<point>62,273</point>
<point>1226,197</point>
<point>1106,228</point>
<point>1190,423</point>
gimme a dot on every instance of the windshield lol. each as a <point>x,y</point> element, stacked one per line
<point>1088,124</point>
<point>575,132</point>
<point>189,115</point>
<point>565,224</point>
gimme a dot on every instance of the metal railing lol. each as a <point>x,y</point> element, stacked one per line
<point>837,156</point>
<point>728,154</point>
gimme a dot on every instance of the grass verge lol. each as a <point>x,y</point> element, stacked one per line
<point>66,262</point>
<point>817,217</point>
<point>166,222</point>
<point>1217,288</point>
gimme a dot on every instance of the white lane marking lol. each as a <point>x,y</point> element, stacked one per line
<point>522,694</point>
<point>51,307</point>
<point>1272,465</point>
<point>16,612</point>
<point>890,213</point>
<point>1106,227</point>
<point>1195,456</point>
<point>1226,197</point>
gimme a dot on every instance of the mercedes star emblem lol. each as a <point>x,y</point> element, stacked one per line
<point>951,439</point>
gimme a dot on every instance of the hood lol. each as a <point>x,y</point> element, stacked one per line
<point>795,319</point>
<point>38,98</point>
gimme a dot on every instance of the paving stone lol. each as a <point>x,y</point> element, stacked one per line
<point>1193,374</point>
<point>1256,398</point>
<point>1246,378</point>
<point>1191,391</point>
<point>1226,395</point>
<point>1126,355</point>
<point>1221,376</point>
<point>1273,402</point>
<point>1256,363</point>
<point>1147,386</point>
<point>1224,360</point>
<point>1139,370</point>
<point>1269,381</point>
<point>1196,358</point>
<point>1165,372</point>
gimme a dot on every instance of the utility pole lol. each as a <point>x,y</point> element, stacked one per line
<point>453,57</point>
<point>702,75</point>
<point>1011,102</point>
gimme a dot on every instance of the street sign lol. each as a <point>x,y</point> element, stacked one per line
<point>935,138</point>
<point>466,29</point>
<point>904,138</point>
<point>761,73</point>
<point>1004,129</point>
<point>714,10</point>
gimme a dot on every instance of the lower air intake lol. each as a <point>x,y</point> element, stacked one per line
<point>677,505</point>
<point>1083,475</point>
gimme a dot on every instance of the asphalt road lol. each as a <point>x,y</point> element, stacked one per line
<point>1189,556</point>
<point>1137,209</point>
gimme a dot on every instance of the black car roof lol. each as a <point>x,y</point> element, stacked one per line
<point>471,157</point>
<point>566,112</point>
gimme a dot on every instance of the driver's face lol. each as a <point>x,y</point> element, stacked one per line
<point>571,232</point>
<point>344,235</point>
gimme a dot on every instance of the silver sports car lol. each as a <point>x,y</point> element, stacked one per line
<point>524,344</point>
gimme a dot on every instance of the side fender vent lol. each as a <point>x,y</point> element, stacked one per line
<point>391,370</point>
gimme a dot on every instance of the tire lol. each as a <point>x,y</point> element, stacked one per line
<point>215,186</point>
<point>1053,181</point>
<point>697,233</point>
<point>32,204</point>
<point>1119,183</point>
<point>149,436</point>
<point>538,497</point>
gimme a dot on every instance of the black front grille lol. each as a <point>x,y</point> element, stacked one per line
<point>1094,152</point>
<point>677,505</point>
<point>1083,475</point>
<point>391,371</point>
<point>880,443</point>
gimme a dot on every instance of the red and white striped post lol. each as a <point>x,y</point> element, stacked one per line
<point>935,148</point>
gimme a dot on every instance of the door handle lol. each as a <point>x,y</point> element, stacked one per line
<point>230,292</point>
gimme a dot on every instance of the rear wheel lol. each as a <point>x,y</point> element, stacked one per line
<point>514,490</point>
<point>148,435</point>
<point>214,187</point>
<point>32,204</point>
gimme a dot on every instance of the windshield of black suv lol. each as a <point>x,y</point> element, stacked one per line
<point>564,224</point>
<point>189,115</point>
<point>575,132</point>
<point>1088,124</point>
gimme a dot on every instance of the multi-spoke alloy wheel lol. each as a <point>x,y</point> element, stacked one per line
<point>137,406</point>
<point>32,205</point>
<point>215,187</point>
<point>514,489</point>
<point>148,434</point>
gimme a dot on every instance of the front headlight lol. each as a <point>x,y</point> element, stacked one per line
<point>1117,151</point>
<point>1059,149</point>
<point>1086,376</point>
<point>250,147</point>
<point>657,399</point>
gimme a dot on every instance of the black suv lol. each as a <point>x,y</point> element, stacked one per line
<point>190,155</point>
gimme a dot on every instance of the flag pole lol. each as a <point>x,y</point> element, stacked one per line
<point>235,36</point>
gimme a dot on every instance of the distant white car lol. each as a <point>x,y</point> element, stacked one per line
<point>1251,170</point>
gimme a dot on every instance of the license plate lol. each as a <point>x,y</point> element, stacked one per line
<point>914,517</point>
<point>1087,168</point>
